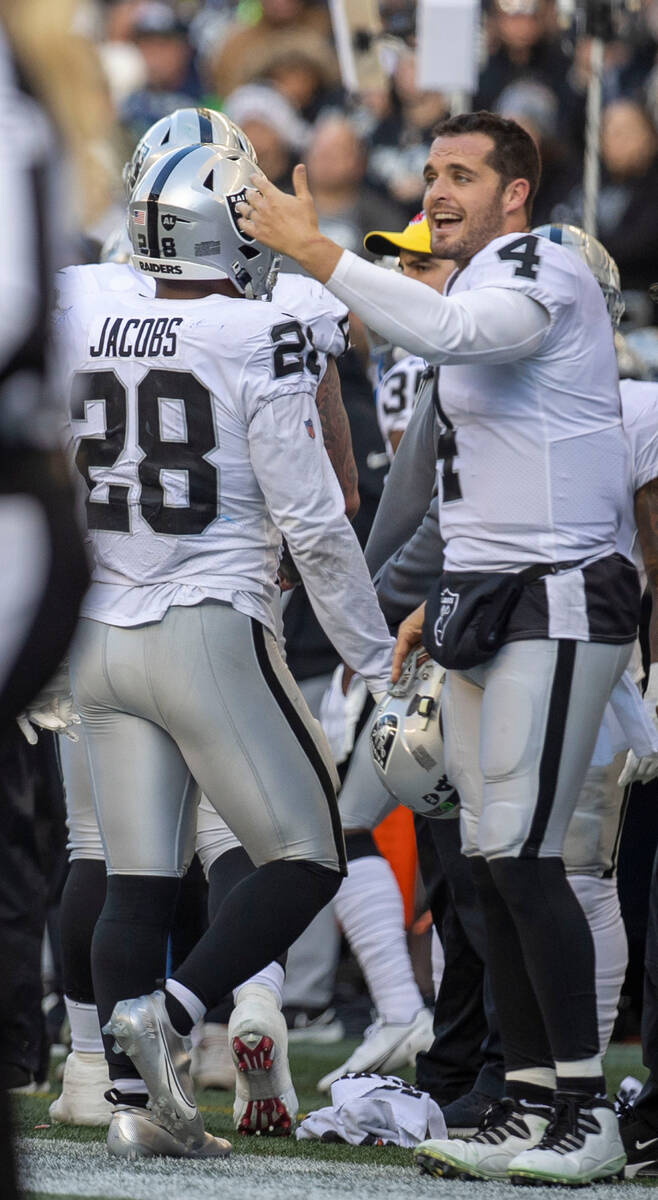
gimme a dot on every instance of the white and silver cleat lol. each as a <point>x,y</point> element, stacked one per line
<point>84,1083</point>
<point>212,1064</point>
<point>142,1029</point>
<point>134,1133</point>
<point>582,1144</point>
<point>505,1131</point>
<point>385,1048</point>
<point>265,1099</point>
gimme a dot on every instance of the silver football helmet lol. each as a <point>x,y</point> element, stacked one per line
<point>595,256</point>
<point>406,741</point>
<point>183,223</point>
<point>184,127</point>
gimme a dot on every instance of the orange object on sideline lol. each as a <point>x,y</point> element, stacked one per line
<point>395,839</point>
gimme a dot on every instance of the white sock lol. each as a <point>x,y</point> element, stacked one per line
<point>191,1003</point>
<point>580,1068</point>
<point>271,977</point>
<point>85,1027</point>
<point>599,901</point>
<point>369,907</point>
<point>438,961</point>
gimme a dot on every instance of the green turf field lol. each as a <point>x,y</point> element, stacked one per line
<point>65,1162</point>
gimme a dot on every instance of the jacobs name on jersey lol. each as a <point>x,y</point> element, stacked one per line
<point>127,337</point>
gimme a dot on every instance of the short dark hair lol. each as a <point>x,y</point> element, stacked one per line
<point>514,154</point>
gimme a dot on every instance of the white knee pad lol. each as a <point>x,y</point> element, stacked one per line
<point>599,901</point>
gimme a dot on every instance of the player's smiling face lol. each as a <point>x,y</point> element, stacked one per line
<point>465,202</point>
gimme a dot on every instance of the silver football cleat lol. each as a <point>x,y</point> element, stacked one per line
<point>134,1133</point>
<point>143,1031</point>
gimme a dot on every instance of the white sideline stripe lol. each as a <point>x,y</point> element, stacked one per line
<point>64,1168</point>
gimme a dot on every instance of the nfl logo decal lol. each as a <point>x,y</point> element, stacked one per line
<point>448,605</point>
<point>308,425</point>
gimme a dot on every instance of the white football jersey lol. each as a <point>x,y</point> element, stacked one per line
<point>395,397</point>
<point>195,429</point>
<point>532,460</point>
<point>304,298</point>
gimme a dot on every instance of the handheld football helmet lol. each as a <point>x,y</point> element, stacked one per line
<point>184,127</point>
<point>183,222</point>
<point>406,740</point>
<point>595,256</point>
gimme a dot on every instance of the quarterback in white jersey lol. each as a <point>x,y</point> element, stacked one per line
<point>196,431</point>
<point>533,468</point>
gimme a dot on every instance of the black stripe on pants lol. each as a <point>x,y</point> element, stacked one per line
<point>303,737</point>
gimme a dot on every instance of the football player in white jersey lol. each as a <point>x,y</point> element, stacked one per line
<point>533,472</point>
<point>85,1076</point>
<point>193,420</point>
<point>592,840</point>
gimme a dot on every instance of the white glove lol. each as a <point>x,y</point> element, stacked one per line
<point>53,709</point>
<point>641,770</point>
<point>339,714</point>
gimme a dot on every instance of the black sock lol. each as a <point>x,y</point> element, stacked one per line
<point>129,948</point>
<point>586,1085</point>
<point>525,1043</point>
<point>82,902</point>
<point>360,844</point>
<point>178,1015</point>
<point>226,872</point>
<point>558,951</point>
<point>132,1099</point>
<point>259,919</point>
<point>530,1094</point>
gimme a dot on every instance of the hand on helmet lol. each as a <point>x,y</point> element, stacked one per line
<point>409,636</point>
<point>288,224</point>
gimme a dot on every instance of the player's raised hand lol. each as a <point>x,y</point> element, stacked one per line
<point>288,224</point>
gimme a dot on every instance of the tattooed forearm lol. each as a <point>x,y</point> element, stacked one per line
<point>646,517</point>
<point>337,436</point>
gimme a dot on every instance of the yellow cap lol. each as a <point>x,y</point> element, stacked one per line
<point>416,237</point>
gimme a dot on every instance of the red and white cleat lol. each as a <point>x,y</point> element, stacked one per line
<point>265,1100</point>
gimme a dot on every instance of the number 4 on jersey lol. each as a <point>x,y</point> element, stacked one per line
<point>522,251</point>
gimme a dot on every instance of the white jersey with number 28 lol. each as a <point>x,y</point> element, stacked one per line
<point>195,429</point>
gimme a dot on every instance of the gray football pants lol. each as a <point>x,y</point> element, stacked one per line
<point>590,846</point>
<point>519,744</point>
<point>202,695</point>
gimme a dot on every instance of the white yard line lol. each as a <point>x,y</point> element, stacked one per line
<point>62,1168</point>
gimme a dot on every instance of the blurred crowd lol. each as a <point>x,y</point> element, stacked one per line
<point>271,66</point>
